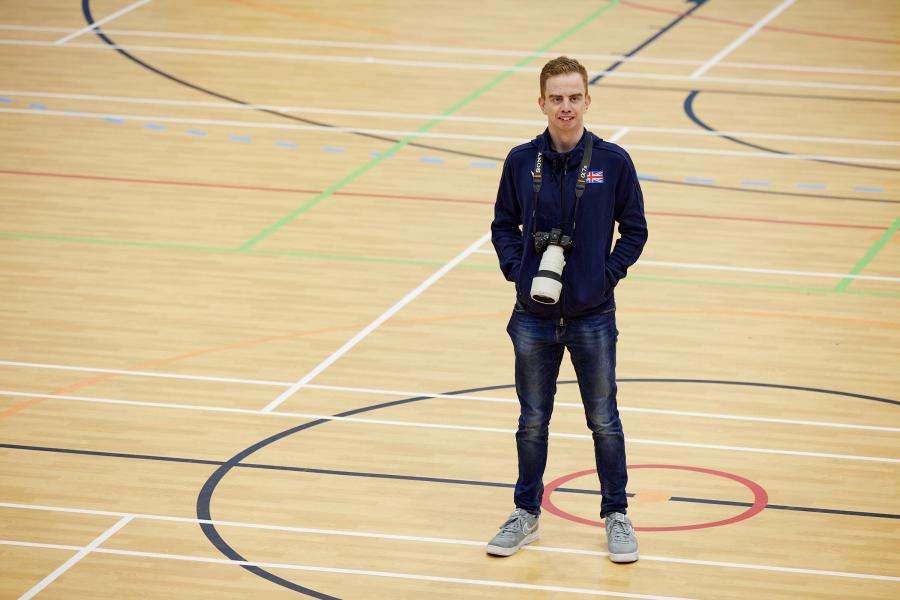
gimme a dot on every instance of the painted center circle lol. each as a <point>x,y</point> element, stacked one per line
<point>760,498</point>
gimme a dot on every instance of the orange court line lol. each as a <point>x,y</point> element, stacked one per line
<point>363,194</point>
<point>12,410</point>
<point>401,322</point>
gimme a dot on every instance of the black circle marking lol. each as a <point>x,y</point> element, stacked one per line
<point>204,498</point>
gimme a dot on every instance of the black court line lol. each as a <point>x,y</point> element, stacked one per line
<point>692,115</point>
<point>697,4</point>
<point>425,479</point>
<point>86,9</point>
<point>204,497</point>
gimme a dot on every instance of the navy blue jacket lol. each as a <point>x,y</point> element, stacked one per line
<point>593,267</point>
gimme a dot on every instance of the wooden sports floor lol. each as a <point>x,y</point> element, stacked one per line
<point>252,329</point>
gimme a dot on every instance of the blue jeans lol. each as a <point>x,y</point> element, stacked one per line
<point>539,345</point>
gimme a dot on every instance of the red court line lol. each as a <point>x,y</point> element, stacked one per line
<point>281,190</point>
<point>767,27</point>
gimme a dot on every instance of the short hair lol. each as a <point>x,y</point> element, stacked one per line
<point>561,66</point>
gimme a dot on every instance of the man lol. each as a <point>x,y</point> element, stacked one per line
<point>573,186</point>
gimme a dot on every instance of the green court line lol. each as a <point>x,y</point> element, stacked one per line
<point>869,256</point>
<point>112,242</point>
<point>248,245</point>
<point>415,262</point>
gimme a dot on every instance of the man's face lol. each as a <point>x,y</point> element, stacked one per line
<point>564,102</point>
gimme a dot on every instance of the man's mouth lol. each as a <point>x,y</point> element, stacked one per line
<point>566,118</point>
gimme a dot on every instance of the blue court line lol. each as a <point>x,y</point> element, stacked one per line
<point>436,160</point>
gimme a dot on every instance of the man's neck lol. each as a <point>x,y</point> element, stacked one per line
<point>567,143</point>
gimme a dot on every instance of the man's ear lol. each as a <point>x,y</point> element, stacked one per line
<point>541,104</point>
<point>587,101</point>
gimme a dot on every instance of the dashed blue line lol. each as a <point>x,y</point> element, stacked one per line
<point>287,144</point>
<point>699,180</point>
<point>114,120</point>
<point>811,186</point>
<point>74,113</point>
<point>753,183</point>
<point>333,150</point>
<point>377,154</point>
<point>37,106</point>
<point>646,177</point>
<point>482,165</point>
<point>6,100</point>
<point>867,189</point>
<point>240,138</point>
<point>154,126</point>
<point>196,132</point>
<point>432,160</point>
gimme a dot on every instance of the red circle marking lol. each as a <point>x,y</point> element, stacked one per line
<point>760,498</point>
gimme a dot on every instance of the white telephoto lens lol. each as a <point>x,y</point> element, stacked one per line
<point>547,283</point>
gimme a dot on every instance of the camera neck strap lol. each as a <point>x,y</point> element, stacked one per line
<point>538,175</point>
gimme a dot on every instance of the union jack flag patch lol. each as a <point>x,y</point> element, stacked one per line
<point>594,177</point>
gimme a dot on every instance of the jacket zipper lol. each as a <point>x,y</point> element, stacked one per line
<point>562,216</point>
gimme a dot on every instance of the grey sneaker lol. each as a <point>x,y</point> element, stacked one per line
<point>520,528</point>
<point>620,540</point>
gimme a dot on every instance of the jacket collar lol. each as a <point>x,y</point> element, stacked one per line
<point>572,156</point>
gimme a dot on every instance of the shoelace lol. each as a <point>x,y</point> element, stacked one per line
<point>619,530</point>
<point>515,523</point>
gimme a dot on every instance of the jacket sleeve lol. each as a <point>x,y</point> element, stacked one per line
<point>506,232</point>
<point>629,213</point>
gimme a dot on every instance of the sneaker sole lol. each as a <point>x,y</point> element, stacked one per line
<point>624,558</point>
<point>501,551</point>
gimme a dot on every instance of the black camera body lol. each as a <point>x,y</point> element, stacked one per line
<point>542,239</point>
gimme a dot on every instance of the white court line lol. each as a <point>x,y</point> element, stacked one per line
<point>102,21</point>
<point>416,394</point>
<point>618,135</point>
<point>370,60</point>
<point>455,118</point>
<point>377,322</point>
<point>92,547</point>
<point>432,135</point>
<point>675,413</point>
<point>741,39</point>
<point>677,265</point>
<point>442,426</point>
<point>428,540</point>
<point>362,572</point>
<point>461,50</point>
<point>10,363</point>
